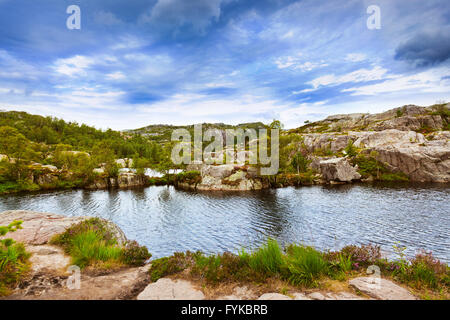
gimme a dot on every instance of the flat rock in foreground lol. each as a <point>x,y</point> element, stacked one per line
<point>122,285</point>
<point>384,290</point>
<point>168,289</point>
<point>39,227</point>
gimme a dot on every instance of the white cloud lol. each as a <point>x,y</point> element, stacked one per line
<point>73,66</point>
<point>294,62</point>
<point>115,76</point>
<point>426,81</point>
<point>130,42</point>
<point>355,57</point>
<point>361,75</point>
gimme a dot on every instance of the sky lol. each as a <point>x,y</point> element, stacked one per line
<point>141,62</point>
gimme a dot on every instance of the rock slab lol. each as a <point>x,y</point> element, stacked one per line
<point>383,290</point>
<point>168,289</point>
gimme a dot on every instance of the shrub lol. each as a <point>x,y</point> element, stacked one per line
<point>178,262</point>
<point>191,177</point>
<point>350,149</point>
<point>91,242</point>
<point>300,162</point>
<point>89,247</point>
<point>423,271</point>
<point>13,259</point>
<point>267,259</point>
<point>364,255</point>
<point>304,265</point>
<point>134,254</point>
<point>370,166</point>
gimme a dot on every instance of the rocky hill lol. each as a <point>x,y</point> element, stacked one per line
<point>406,118</point>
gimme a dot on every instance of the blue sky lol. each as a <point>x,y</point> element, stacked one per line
<point>135,63</point>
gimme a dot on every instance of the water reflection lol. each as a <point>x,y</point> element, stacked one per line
<point>328,217</point>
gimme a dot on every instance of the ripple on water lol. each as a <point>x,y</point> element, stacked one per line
<point>167,220</point>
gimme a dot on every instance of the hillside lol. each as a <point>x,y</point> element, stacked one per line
<point>408,117</point>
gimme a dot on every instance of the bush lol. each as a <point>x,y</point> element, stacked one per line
<point>13,259</point>
<point>91,242</point>
<point>166,266</point>
<point>134,254</point>
<point>350,149</point>
<point>369,166</point>
<point>191,177</point>
<point>300,162</point>
<point>423,271</point>
<point>267,259</point>
<point>304,265</point>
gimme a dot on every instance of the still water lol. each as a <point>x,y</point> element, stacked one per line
<point>328,217</point>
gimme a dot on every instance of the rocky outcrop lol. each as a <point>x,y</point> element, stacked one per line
<point>381,289</point>
<point>336,169</point>
<point>406,118</point>
<point>421,159</point>
<point>226,177</point>
<point>124,180</point>
<point>50,266</point>
<point>39,227</point>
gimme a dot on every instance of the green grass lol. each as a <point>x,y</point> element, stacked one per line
<point>304,265</point>
<point>267,260</point>
<point>12,187</point>
<point>91,243</point>
<point>89,247</point>
<point>14,262</point>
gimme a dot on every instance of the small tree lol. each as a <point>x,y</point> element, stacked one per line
<point>350,149</point>
<point>300,162</point>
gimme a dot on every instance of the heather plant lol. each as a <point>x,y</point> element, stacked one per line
<point>423,271</point>
<point>362,256</point>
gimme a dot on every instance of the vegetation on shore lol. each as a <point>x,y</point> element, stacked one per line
<point>305,267</point>
<point>92,243</point>
<point>14,262</point>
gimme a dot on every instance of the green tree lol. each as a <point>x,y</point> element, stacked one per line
<point>300,162</point>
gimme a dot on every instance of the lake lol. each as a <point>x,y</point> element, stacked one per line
<point>167,220</point>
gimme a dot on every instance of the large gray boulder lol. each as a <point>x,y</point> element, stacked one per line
<point>336,169</point>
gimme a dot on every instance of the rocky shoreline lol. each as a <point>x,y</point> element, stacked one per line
<point>49,273</point>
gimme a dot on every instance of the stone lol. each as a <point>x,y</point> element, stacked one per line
<point>129,180</point>
<point>316,296</point>
<point>121,285</point>
<point>386,290</point>
<point>274,296</point>
<point>124,163</point>
<point>239,293</point>
<point>168,289</point>
<point>99,170</point>
<point>39,227</point>
<point>336,169</point>
<point>49,259</point>
<point>226,177</point>
<point>300,296</point>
